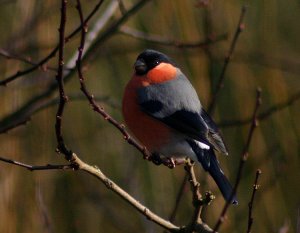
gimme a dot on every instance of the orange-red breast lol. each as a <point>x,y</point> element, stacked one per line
<point>163,111</point>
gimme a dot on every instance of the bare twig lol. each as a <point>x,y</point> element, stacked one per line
<point>197,197</point>
<point>264,115</point>
<point>220,82</point>
<point>169,42</point>
<point>61,147</point>
<point>71,97</point>
<point>198,200</point>
<point>243,159</point>
<point>37,167</point>
<point>52,54</point>
<point>90,97</point>
<point>250,204</point>
<point>27,60</point>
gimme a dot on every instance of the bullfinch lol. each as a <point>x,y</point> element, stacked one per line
<point>163,111</point>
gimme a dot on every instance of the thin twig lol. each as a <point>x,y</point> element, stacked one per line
<point>243,159</point>
<point>198,200</point>
<point>52,54</point>
<point>264,115</point>
<point>71,98</point>
<point>168,42</point>
<point>37,167</point>
<point>250,204</point>
<point>197,197</point>
<point>8,55</point>
<point>61,147</point>
<point>220,82</point>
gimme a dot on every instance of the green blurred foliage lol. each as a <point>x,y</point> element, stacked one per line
<point>267,55</point>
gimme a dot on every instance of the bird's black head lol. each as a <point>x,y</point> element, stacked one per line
<point>148,59</point>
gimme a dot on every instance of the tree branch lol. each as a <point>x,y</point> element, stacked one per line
<point>243,159</point>
<point>220,82</point>
<point>61,147</point>
<point>37,167</point>
<point>264,115</point>
<point>168,42</point>
<point>250,204</point>
<point>27,60</point>
<point>96,172</point>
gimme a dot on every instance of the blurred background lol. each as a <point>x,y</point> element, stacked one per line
<point>267,55</point>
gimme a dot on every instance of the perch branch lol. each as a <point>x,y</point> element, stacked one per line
<point>198,200</point>
<point>124,195</point>
<point>243,159</point>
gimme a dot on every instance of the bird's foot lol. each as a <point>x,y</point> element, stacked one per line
<point>169,162</point>
<point>155,158</point>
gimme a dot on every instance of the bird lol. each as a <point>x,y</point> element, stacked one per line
<point>162,110</point>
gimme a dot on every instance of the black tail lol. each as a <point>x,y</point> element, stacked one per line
<point>209,162</point>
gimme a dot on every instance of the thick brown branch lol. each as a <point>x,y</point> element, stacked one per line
<point>220,82</point>
<point>250,204</point>
<point>243,159</point>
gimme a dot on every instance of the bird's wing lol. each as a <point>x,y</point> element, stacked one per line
<point>214,135</point>
<point>176,104</point>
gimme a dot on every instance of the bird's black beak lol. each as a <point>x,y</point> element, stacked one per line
<point>140,67</point>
